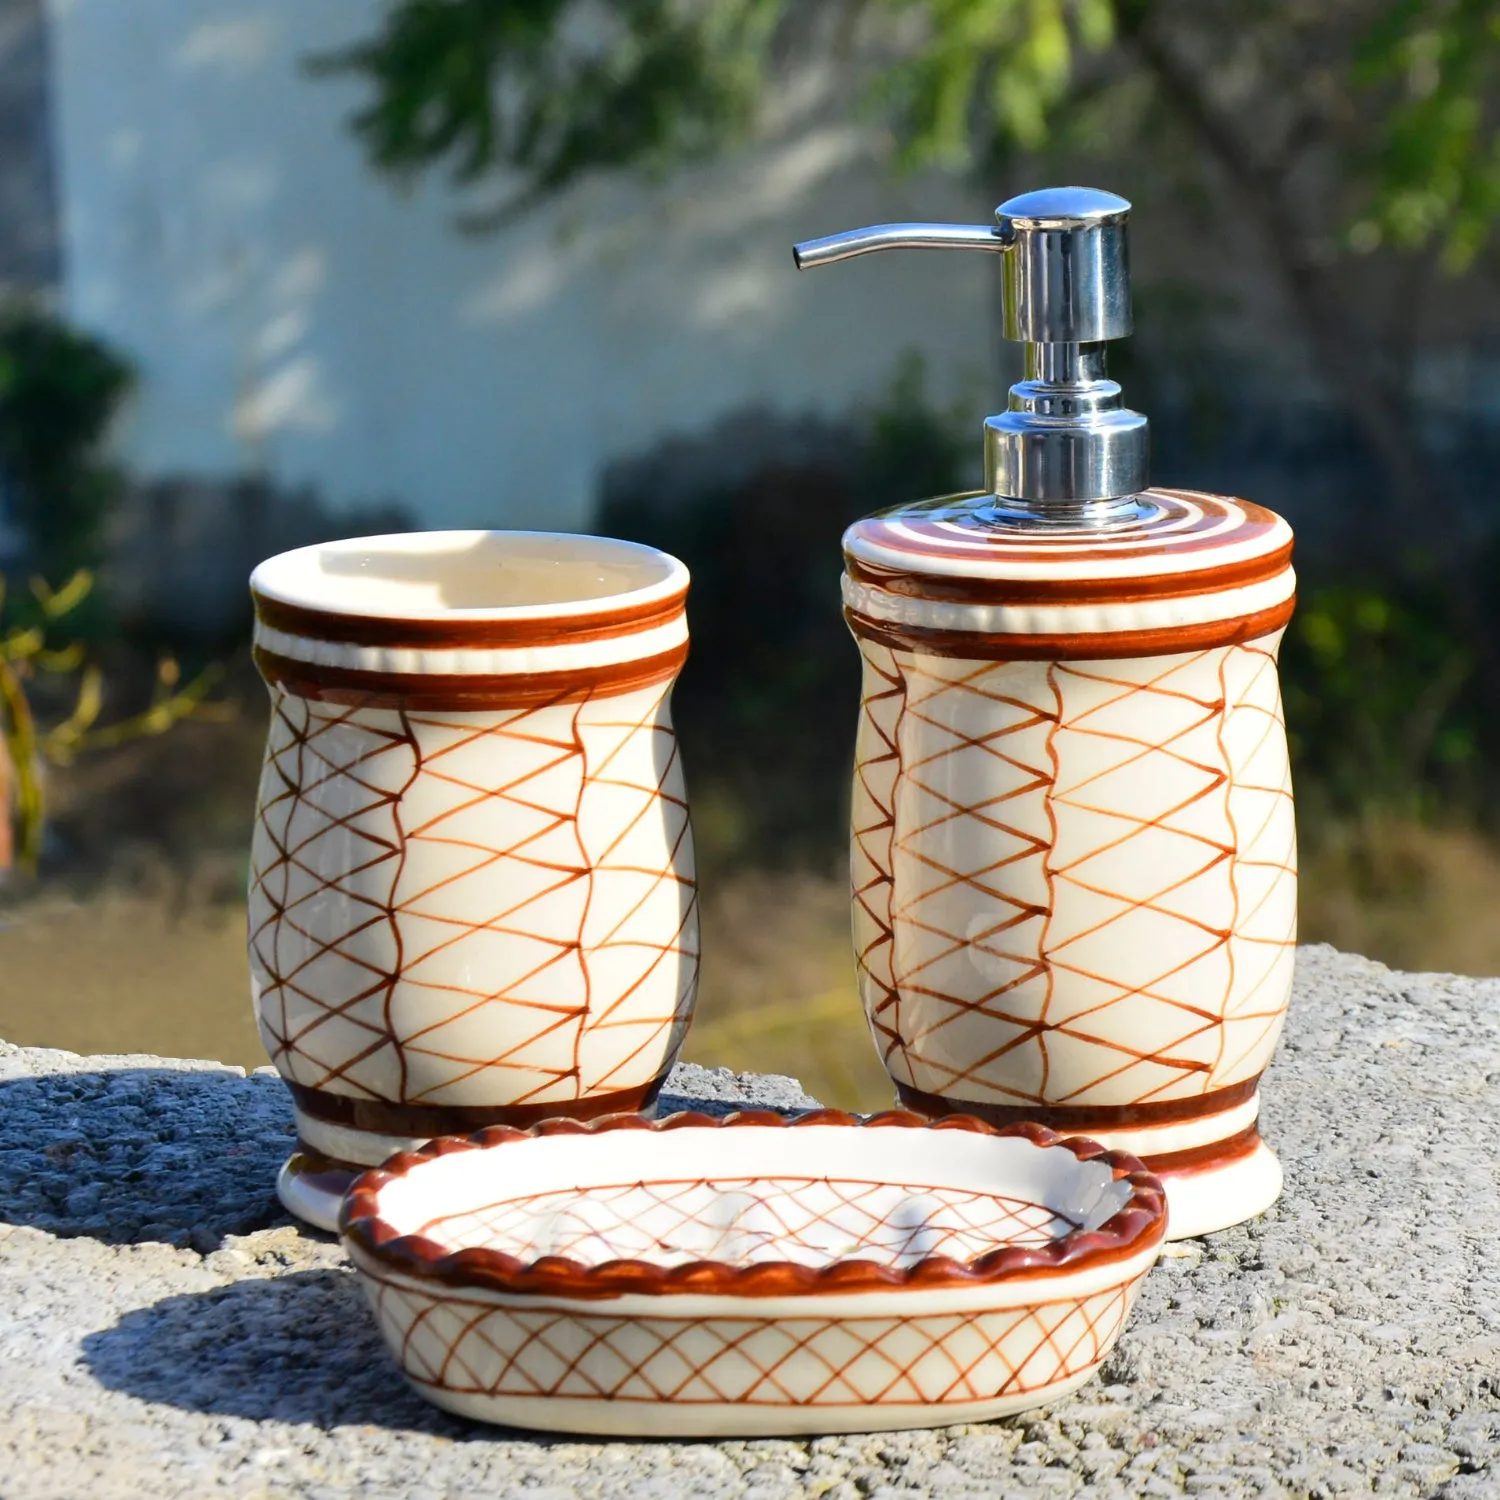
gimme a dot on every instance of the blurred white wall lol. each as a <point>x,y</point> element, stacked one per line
<point>296,318</point>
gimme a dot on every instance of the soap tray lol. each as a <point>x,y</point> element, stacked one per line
<point>694,1276</point>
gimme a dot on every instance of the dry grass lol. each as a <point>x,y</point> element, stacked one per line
<point>1415,897</point>
<point>128,972</point>
<point>778,989</point>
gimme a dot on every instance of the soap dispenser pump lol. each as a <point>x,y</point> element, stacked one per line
<point>1073,854</point>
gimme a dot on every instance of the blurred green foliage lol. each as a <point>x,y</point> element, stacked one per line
<point>1435,156</point>
<point>1379,685</point>
<point>59,392</point>
<point>26,746</point>
<point>548,91</point>
<point>523,86</point>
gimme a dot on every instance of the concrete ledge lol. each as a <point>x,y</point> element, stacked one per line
<point>165,1330</point>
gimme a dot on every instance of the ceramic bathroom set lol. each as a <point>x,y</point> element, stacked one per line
<point>474,937</point>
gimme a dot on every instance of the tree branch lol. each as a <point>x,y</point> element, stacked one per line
<point>1381,415</point>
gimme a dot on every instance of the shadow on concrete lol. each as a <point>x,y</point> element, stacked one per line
<point>295,1348</point>
<point>176,1156</point>
<point>143,1154</point>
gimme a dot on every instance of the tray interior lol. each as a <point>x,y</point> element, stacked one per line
<point>814,1195</point>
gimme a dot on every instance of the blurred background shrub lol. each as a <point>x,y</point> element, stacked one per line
<point>59,392</point>
<point>60,389</point>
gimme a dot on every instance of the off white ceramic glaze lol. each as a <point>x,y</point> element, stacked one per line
<point>481,907</point>
<point>690,1364</point>
<point>1075,872</point>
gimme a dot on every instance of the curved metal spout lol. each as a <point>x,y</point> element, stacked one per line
<point>834,247</point>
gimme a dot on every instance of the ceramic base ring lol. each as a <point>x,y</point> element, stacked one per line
<point>311,1188</point>
<point>1212,1186</point>
<point>1204,1200</point>
<point>720,1420</point>
<point>1207,1151</point>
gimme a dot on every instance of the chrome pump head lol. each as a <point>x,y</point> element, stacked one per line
<point>1066,451</point>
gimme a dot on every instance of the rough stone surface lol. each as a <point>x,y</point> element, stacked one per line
<point>164,1329</point>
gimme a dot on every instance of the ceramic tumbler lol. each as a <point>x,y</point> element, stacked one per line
<point>472,897</point>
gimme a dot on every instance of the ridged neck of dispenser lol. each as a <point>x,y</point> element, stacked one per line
<point>1066,452</point>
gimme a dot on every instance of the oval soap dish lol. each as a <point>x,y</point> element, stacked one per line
<point>702,1276</point>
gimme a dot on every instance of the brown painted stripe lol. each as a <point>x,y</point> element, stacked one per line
<point>1206,1157</point>
<point>918,585</point>
<point>1082,1118</point>
<point>597,623</point>
<point>441,691</point>
<point>1103,645</point>
<point>424,1121</point>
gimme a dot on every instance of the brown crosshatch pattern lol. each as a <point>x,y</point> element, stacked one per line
<point>1105,912</point>
<point>737,1220</point>
<point>465,1344</point>
<point>479,907</point>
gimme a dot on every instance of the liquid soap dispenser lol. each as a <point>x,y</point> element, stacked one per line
<point>1073,850</point>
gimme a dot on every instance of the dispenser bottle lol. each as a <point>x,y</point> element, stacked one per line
<point>1073,850</point>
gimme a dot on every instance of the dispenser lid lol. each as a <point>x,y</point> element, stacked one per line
<point>1189,572</point>
<point>1061,208</point>
<point>1066,448</point>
